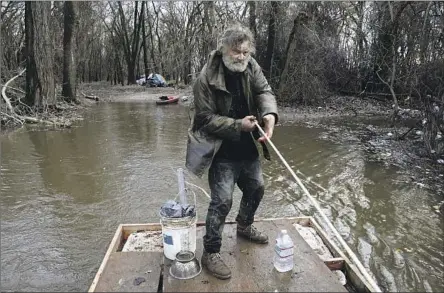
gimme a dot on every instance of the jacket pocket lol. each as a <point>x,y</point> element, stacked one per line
<point>200,151</point>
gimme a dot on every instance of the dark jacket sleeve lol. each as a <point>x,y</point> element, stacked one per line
<point>206,117</point>
<point>264,96</point>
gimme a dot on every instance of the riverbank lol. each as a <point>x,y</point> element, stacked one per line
<point>65,114</point>
<point>382,144</point>
<point>368,121</point>
<point>60,116</point>
<point>130,93</point>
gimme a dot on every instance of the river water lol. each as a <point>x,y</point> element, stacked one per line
<point>63,194</point>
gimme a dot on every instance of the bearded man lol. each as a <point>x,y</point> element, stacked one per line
<point>230,94</point>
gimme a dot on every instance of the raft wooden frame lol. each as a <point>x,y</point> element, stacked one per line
<point>339,261</point>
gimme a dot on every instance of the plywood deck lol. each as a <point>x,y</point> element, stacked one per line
<point>123,268</point>
<point>251,266</point>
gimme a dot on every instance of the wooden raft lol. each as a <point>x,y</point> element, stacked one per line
<point>251,265</point>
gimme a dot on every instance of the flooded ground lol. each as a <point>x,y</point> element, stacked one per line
<point>63,194</point>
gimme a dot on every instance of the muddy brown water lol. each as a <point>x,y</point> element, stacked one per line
<point>63,194</point>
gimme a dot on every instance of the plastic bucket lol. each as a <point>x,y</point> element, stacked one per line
<point>178,234</point>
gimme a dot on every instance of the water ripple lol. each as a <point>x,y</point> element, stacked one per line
<point>64,194</point>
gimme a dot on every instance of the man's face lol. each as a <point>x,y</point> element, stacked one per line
<point>236,59</point>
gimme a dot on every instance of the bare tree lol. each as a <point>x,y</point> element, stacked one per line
<point>13,35</point>
<point>434,114</point>
<point>161,67</point>
<point>388,45</point>
<point>150,19</point>
<point>271,37</point>
<point>210,23</point>
<point>252,17</point>
<point>144,45</point>
<point>130,43</point>
<point>69,49</point>
<point>40,84</point>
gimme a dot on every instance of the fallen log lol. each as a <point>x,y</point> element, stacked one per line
<point>92,98</point>
<point>36,120</point>
<point>95,98</point>
<point>27,119</point>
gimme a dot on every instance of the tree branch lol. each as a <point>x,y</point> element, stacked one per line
<point>8,102</point>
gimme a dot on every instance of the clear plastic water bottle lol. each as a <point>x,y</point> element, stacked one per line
<point>283,258</point>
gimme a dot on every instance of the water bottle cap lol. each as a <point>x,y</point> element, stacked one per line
<point>284,231</point>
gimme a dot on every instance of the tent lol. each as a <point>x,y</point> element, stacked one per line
<point>156,80</point>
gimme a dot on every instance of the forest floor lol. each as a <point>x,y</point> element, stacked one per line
<point>346,119</point>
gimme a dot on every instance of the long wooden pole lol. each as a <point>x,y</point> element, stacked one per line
<point>314,202</point>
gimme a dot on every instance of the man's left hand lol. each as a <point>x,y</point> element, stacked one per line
<point>269,121</point>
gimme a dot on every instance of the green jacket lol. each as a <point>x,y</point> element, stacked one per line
<point>210,124</point>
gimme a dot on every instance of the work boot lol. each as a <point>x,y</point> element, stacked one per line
<point>215,265</point>
<point>252,233</point>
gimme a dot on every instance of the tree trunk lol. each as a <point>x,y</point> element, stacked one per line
<point>99,71</point>
<point>209,22</point>
<point>120,70</point>
<point>425,35</point>
<point>130,46</point>
<point>189,38</point>
<point>252,17</point>
<point>131,67</point>
<point>297,23</point>
<point>362,69</point>
<point>153,53</point>
<point>271,38</point>
<point>40,83</point>
<point>159,39</point>
<point>31,71</point>
<point>433,111</point>
<point>135,41</point>
<point>90,69</point>
<point>387,40</point>
<point>382,47</point>
<point>69,59</point>
<point>84,72</point>
<point>145,48</point>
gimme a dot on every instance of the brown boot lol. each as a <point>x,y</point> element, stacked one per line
<point>252,233</point>
<point>215,265</point>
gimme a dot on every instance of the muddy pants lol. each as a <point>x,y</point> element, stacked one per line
<point>222,177</point>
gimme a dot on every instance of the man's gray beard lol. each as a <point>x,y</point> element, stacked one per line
<point>234,66</point>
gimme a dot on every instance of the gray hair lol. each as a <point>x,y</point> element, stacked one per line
<point>235,35</point>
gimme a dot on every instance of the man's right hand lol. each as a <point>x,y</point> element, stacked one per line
<point>248,123</point>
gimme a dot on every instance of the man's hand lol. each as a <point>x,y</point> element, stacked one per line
<point>269,121</point>
<point>248,123</point>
